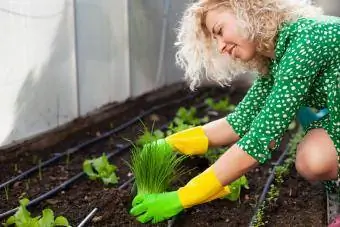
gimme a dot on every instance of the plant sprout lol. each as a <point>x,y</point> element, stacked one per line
<point>40,173</point>
<point>155,167</point>
<point>149,136</point>
<point>101,168</point>
<point>235,188</point>
<point>188,116</point>
<point>22,218</point>
<point>6,192</point>
<point>222,105</point>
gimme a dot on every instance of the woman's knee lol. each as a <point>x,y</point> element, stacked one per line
<point>316,157</point>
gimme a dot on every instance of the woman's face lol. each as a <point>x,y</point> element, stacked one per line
<point>223,27</point>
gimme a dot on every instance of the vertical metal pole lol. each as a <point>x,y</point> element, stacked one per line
<point>76,54</point>
<point>127,47</point>
<point>166,4</point>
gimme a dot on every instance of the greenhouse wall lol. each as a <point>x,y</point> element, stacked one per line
<point>37,67</point>
<point>62,59</point>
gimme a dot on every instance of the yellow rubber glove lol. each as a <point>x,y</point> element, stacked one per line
<point>190,141</point>
<point>203,188</point>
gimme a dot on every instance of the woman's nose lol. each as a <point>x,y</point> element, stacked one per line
<point>220,45</point>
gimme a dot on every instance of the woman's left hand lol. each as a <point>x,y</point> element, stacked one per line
<point>156,207</point>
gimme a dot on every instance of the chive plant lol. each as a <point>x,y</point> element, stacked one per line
<point>155,166</point>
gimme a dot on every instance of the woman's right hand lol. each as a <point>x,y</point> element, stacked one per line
<point>192,141</point>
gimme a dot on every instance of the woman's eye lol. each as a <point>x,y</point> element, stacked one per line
<point>220,31</point>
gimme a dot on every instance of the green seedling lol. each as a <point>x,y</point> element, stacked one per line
<point>149,136</point>
<point>259,221</point>
<point>221,106</point>
<point>177,126</point>
<point>188,116</point>
<point>155,167</point>
<point>273,194</point>
<point>100,168</point>
<point>213,154</point>
<point>40,172</point>
<point>236,188</point>
<point>6,192</point>
<point>22,218</point>
<point>27,184</point>
<point>67,159</point>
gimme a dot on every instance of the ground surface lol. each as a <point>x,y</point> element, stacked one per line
<point>299,204</point>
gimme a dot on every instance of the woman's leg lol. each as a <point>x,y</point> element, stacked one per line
<point>316,157</point>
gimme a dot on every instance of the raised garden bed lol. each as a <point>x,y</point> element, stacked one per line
<point>298,204</point>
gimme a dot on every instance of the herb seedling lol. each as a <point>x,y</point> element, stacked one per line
<point>213,154</point>
<point>7,192</point>
<point>22,218</point>
<point>40,173</point>
<point>177,126</point>
<point>155,167</point>
<point>235,188</point>
<point>188,116</point>
<point>221,106</point>
<point>149,136</point>
<point>101,168</point>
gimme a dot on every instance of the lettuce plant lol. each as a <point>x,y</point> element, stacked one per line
<point>149,136</point>
<point>102,169</point>
<point>155,167</point>
<point>222,105</point>
<point>235,188</point>
<point>22,218</point>
<point>188,116</point>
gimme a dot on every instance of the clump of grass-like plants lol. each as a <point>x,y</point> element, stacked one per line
<point>155,167</point>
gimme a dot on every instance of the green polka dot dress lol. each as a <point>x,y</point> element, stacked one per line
<point>305,72</point>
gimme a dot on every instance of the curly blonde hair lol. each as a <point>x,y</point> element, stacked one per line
<point>259,21</point>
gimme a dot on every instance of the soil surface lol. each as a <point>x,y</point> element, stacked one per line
<point>78,200</point>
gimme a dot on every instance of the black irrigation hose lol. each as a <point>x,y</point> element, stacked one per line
<point>267,185</point>
<point>92,141</point>
<point>62,186</point>
<point>72,180</point>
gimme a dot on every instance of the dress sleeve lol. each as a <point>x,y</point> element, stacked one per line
<point>293,77</point>
<point>245,112</point>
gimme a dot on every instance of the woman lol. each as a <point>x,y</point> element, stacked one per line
<point>295,51</point>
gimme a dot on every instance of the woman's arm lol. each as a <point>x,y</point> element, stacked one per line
<point>220,133</point>
<point>233,164</point>
<point>228,130</point>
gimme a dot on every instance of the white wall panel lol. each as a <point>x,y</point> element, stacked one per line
<point>145,26</point>
<point>102,52</point>
<point>37,67</point>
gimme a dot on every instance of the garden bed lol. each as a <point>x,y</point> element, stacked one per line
<point>113,204</point>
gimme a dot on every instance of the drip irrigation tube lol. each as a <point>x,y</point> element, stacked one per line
<point>92,141</point>
<point>62,186</point>
<point>267,185</point>
<point>72,180</point>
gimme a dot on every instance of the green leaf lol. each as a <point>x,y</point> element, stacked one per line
<point>47,219</point>
<point>61,221</point>
<point>87,168</point>
<point>10,221</point>
<point>101,168</point>
<point>23,215</point>
<point>235,188</point>
<point>112,179</point>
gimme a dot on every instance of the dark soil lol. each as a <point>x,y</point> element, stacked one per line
<point>113,204</point>
<point>300,204</point>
